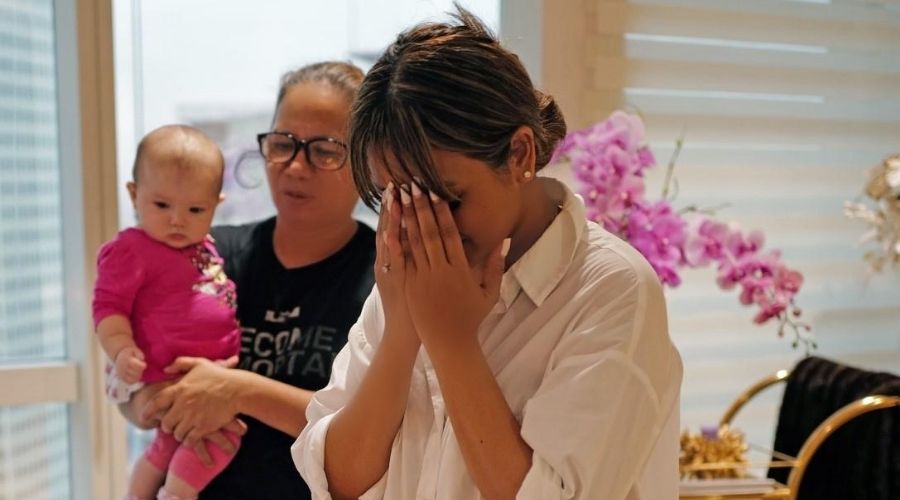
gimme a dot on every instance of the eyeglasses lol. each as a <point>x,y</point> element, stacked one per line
<point>324,153</point>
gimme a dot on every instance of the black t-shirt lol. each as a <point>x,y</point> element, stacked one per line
<point>293,323</point>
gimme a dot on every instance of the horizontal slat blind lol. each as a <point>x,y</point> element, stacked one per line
<point>784,105</point>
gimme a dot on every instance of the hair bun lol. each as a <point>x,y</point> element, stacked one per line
<point>553,128</point>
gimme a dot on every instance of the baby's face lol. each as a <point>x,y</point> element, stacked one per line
<point>175,205</point>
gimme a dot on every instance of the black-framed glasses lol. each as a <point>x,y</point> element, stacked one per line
<point>324,153</point>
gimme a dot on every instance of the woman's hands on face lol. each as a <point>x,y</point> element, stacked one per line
<point>200,404</point>
<point>446,295</point>
<point>391,266</point>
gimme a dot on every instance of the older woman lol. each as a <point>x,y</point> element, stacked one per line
<point>302,277</point>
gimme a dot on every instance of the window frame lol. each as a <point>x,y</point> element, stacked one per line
<point>87,164</point>
<point>86,150</point>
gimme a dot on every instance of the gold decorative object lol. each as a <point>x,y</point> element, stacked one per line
<point>883,188</point>
<point>713,453</point>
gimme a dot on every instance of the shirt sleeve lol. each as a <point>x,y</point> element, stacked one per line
<point>598,412</point>
<point>347,373</point>
<point>119,277</point>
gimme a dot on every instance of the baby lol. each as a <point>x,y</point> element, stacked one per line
<point>161,293</point>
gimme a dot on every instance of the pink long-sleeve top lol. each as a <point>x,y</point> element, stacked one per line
<point>179,301</point>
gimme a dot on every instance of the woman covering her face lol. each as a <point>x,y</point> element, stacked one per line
<point>511,348</point>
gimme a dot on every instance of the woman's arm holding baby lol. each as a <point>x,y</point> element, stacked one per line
<point>209,395</point>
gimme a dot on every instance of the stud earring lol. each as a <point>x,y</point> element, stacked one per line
<point>527,174</point>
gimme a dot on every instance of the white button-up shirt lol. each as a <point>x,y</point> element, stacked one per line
<point>579,345</point>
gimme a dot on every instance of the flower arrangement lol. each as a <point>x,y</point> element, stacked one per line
<point>882,189</point>
<point>609,160</point>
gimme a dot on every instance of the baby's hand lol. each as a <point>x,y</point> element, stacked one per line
<point>130,364</point>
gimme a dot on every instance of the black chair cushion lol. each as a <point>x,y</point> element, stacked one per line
<point>861,460</point>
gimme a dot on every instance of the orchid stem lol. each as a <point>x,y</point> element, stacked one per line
<point>670,169</point>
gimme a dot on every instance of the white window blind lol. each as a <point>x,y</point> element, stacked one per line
<point>784,105</point>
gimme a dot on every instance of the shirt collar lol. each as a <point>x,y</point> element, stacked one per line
<point>540,269</point>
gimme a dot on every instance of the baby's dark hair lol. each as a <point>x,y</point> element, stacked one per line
<point>183,143</point>
<point>449,86</point>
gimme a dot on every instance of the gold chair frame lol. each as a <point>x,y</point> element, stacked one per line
<point>750,393</point>
<point>827,428</point>
<point>821,433</point>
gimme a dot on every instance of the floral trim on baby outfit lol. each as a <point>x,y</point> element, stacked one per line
<point>214,281</point>
<point>116,389</point>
